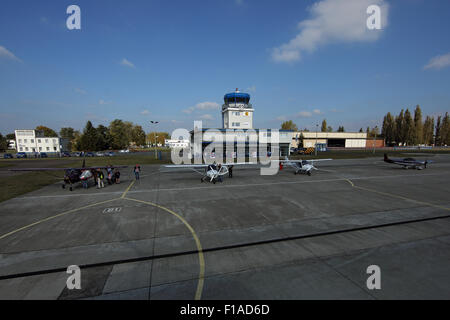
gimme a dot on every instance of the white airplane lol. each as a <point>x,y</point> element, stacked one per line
<point>212,171</point>
<point>300,166</point>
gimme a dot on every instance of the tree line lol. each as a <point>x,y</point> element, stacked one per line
<point>117,135</point>
<point>406,129</point>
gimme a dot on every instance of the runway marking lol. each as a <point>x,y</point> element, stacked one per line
<point>201,258</point>
<point>53,217</point>
<point>398,196</point>
<point>127,189</point>
<point>238,185</point>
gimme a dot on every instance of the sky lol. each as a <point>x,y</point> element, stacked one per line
<point>173,61</point>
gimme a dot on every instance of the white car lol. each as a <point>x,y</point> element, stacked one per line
<point>124,151</point>
<point>100,154</point>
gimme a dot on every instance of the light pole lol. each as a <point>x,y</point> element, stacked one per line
<point>155,122</point>
<point>315,146</point>
<point>374,137</point>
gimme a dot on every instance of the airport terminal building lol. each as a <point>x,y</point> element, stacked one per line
<point>330,139</point>
<point>31,141</point>
<point>237,127</point>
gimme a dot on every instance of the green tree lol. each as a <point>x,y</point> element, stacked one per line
<point>3,143</point>
<point>119,134</point>
<point>428,131</point>
<point>388,129</point>
<point>160,137</point>
<point>138,135</point>
<point>329,129</point>
<point>409,128</point>
<point>438,138</point>
<point>68,133</point>
<point>11,136</point>
<point>418,126</point>
<point>400,128</point>
<point>76,143</point>
<point>360,130</point>
<point>341,129</point>
<point>324,126</point>
<point>89,139</point>
<point>104,138</point>
<point>445,130</point>
<point>47,131</point>
<point>289,125</point>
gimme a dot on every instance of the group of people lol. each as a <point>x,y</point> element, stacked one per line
<point>112,177</point>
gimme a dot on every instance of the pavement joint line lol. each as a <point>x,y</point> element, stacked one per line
<point>398,196</point>
<point>127,189</point>
<point>235,185</point>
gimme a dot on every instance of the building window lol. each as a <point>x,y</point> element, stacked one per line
<point>39,140</point>
<point>54,148</point>
<point>46,140</point>
<point>54,141</point>
<point>48,148</point>
<point>32,140</point>
<point>24,140</point>
<point>237,124</point>
<point>26,148</point>
<point>40,148</point>
<point>20,140</point>
<point>20,148</point>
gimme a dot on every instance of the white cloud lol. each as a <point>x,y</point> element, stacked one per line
<point>127,63</point>
<point>103,102</point>
<point>332,21</point>
<point>144,112</point>
<point>281,118</point>
<point>5,53</point>
<point>80,91</point>
<point>438,62</point>
<point>304,114</point>
<point>317,111</point>
<point>251,89</point>
<point>207,105</point>
<point>206,117</point>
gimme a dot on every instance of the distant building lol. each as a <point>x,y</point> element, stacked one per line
<point>330,139</point>
<point>35,141</point>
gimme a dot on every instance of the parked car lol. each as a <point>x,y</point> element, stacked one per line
<point>89,154</point>
<point>8,156</point>
<point>44,155</point>
<point>99,154</point>
<point>65,154</point>
<point>124,151</point>
<point>21,155</point>
<point>110,154</point>
<point>76,154</point>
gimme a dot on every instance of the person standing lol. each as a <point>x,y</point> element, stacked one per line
<point>100,178</point>
<point>137,170</point>
<point>230,172</point>
<point>117,175</point>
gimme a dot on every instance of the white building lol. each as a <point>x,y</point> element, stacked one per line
<point>237,112</point>
<point>34,141</point>
<point>176,143</point>
<point>330,139</point>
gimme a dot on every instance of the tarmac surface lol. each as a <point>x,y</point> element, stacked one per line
<point>169,236</point>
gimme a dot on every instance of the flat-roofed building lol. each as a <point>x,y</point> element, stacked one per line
<point>330,139</point>
<point>35,141</point>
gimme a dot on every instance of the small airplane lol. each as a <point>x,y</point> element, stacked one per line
<point>408,162</point>
<point>72,175</point>
<point>212,171</point>
<point>300,166</point>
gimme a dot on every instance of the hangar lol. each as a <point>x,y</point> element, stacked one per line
<point>330,139</point>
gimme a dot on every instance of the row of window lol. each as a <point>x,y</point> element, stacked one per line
<point>38,140</point>
<point>237,100</point>
<point>33,149</point>
<point>235,124</point>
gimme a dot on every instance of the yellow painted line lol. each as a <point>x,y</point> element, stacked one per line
<point>399,197</point>
<point>201,277</point>
<point>53,217</point>
<point>127,189</point>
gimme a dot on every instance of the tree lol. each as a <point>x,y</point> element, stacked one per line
<point>160,137</point>
<point>119,134</point>
<point>445,130</point>
<point>76,143</point>
<point>324,126</point>
<point>418,126</point>
<point>104,138</point>
<point>400,131</point>
<point>289,125</point>
<point>329,129</point>
<point>47,131</point>
<point>11,136</point>
<point>68,133</point>
<point>360,130</point>
<point>388,129</point>
<point>138,135</point>
<point>438,138</point>
<point>341,129</point>
<point>300,140</point>
<point>3,143</point>
<point>409,128</point>
<point>89,139</point>
<point>428,131</point>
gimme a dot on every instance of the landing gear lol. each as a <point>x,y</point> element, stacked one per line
<point>70,188</point>
<point>201,179</point>
<point>214,181</point>
<point>295,172</point>
<point>63,186</point>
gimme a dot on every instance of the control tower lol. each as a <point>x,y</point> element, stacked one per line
<point>237,112</point>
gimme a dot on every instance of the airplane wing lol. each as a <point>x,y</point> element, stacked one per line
<point>186,166</point>
<point>313,160</point>
<point>59,169</point>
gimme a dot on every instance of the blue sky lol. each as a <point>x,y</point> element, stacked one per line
<point>173,61</point>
